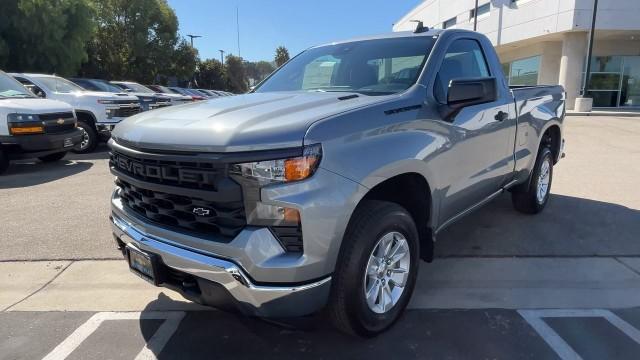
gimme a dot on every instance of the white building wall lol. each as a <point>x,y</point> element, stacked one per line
<point>525,19</point>
<point>556,30</point>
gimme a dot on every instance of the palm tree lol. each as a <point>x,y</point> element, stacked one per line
<point>282,55</point>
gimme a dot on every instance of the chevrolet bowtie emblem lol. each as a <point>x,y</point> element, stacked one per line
<point>60,121</point>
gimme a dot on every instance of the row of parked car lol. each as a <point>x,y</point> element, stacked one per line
<point>47,115</point>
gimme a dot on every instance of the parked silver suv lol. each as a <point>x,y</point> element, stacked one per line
<point>329,183</point>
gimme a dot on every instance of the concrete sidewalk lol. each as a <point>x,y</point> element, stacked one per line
<point>454,283</point>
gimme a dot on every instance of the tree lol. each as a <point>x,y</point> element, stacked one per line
<point>45,36</point>
<point>282,55</point>
<point>184,61</point>
<point>211,75</point>
<point>236,76</point>
<point>137,40</point>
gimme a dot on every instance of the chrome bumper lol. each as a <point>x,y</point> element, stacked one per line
<point>259,300</point>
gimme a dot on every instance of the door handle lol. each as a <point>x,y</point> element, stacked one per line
<point>501,116</point>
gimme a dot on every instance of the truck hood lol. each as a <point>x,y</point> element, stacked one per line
<point>176,96</point>
<point>105,95</point>
<point>33,106</point>
<point>248,122</point>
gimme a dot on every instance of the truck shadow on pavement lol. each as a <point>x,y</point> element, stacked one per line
<point>568,226</point>
<point>29,173</point>
<point>419,334</point>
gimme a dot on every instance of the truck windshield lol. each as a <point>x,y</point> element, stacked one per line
<point>10,88</point>
<point>137,87</point>
<point>58,84</point>
<point>370,67</point>
<point>105,86</point>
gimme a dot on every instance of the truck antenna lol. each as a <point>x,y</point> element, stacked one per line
<point>419,26</point>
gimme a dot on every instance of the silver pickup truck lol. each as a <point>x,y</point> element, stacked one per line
<point>326,186</point>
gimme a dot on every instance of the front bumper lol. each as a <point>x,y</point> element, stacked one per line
<point>31,146</point>
<point>218,279</point>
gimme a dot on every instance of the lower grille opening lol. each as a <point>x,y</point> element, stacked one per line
<point>290,237</point>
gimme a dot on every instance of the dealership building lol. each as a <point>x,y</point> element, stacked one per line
<point>545,42</point>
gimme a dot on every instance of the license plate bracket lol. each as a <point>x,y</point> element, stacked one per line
<point>143,264</point>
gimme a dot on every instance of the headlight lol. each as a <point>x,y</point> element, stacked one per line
<point>24,124</point>
<point>252,176</point>
<point>281,170</point>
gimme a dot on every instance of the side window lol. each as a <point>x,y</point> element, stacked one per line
<point>464,59</point>
<point>31,87</point>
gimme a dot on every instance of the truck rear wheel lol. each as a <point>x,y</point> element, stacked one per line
<point>89,138</point>
<point>53,157</point>
<point>376,270</point>
<point>4,162</point>
<point>535,198</point>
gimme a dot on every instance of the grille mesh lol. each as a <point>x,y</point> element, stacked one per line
<point>222,218</point>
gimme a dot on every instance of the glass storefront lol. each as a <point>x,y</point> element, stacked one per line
<point>523,71</point>
<point>615,81</point>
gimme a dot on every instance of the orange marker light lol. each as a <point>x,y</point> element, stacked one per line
<point>27,130</point>
<point>300,168</point>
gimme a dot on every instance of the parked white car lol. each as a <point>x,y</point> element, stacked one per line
<point>97,112</point>
<point>31,127</point>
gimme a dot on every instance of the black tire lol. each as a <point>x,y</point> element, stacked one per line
<point>347,305</point>
<point>4,162</point>
<point>527,200</point>
<point>89,135</point>
<point>53,157</point>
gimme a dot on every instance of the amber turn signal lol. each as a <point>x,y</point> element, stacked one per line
<point>299,168</point>
<point>23,130</point>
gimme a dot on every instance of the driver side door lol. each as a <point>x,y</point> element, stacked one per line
<point>477,162</point>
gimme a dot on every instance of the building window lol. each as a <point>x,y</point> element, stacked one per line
<point>449,23</point>
<point>482,9</point>
<point>615,81</point>
<point>523,72</point>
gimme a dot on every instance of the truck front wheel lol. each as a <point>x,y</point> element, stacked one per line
<point>377,269</point>
<point>535,198</point>
<point>89,138</point>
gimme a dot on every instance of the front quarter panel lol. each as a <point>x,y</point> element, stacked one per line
<point>374,144</point>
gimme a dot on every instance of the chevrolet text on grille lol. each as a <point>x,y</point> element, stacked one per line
<point>165,172</point>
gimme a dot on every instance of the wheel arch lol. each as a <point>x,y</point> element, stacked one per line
<point>86,116</point>
<point>402,189</point>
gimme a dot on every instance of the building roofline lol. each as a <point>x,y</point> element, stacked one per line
<point>408,16</point>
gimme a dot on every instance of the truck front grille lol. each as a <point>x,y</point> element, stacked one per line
<point>201,217</point>
<point>58,122</point>
<point>127,111</point>
<point>186,193</point>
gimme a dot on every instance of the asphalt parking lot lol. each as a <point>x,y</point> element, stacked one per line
<point>561,284</point>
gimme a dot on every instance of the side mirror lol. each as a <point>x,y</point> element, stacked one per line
<point>467,92</point>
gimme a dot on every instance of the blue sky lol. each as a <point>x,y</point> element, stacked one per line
<point>296,24</point>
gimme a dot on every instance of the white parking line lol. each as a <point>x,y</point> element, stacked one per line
<point>151,349</point>
<point>535,319</point>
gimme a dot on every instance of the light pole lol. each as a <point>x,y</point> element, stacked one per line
<point>193,37</point>
<point>587,73</point>
<point>475,17</point>
<point>193,78</point>
<point>221,56</point>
